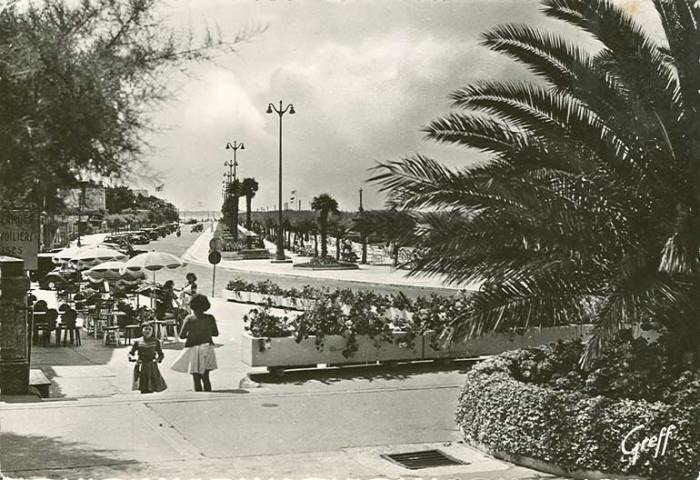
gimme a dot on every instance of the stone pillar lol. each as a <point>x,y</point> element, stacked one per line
<point>14,345</point>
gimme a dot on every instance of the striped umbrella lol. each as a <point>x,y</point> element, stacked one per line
<point>113,271</point>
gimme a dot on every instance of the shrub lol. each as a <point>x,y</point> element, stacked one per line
<point>515,403</point>
<point>260,322</point>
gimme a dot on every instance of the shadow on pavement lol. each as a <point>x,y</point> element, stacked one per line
<point>330,375</point>
<point>30,455</point>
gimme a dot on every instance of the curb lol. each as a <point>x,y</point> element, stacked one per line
<point>543,466</point>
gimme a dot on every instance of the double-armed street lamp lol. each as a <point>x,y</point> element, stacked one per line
<point>235,146</point>
<point>280,238</point>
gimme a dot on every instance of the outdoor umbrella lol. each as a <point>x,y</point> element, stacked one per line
<point>153,261</point>
<point>94,256</point>
<point>66,254</point>
<point>113,271</point>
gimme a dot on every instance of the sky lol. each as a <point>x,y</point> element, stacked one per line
<point>364,77</point>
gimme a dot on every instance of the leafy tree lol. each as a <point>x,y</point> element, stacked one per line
<point>590,206</point>
<point>325,205</point>
<point>249,186</point>
<point>79,80</point>
<point>119,198</point>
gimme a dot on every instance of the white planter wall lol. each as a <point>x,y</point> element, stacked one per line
<point>285,352</point>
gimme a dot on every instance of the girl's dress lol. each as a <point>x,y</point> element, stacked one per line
<point>199,355</point>
<point>147,377</point>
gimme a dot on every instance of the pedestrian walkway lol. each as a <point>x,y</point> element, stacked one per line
<point>370,274</point>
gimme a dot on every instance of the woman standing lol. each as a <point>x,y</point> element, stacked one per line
<point>189,290</point>
<point>198,358</point>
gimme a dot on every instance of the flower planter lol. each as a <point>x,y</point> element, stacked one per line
<point>286,352</point>
<point>495,343</point>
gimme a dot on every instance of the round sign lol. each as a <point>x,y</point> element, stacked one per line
<point>214,257</point>
<point>216,243</point>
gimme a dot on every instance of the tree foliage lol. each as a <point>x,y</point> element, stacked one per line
<point>79,80</point>
<point>325,205</point>
<point>590,205</point>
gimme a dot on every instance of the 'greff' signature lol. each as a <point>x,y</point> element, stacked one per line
<point>657,442</point>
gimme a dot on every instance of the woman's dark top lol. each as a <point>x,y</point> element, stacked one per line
<point>199,329</point>
<point>148,350</point>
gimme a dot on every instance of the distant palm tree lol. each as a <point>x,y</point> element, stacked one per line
<point>249,186</point>
<point>590,206</point>
<point>234,192</point>
<point>340,230</point>
<point>325,205</point>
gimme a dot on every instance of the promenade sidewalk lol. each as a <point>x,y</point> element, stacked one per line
<point>370,274</point>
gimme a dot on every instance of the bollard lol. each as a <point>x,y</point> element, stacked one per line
<point>14,347</point>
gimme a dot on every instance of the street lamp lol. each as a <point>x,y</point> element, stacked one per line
<point>235,146</point>
<point>280,239</point>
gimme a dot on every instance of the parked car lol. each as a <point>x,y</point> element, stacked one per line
<point>197,228</point>
<point>152,233</point>
<point>59,277</point>
<point>139,239</point>
<point>124,247</point>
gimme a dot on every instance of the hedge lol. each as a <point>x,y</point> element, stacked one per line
<point>573,430</point>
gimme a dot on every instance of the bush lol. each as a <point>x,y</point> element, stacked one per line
<point>516,403</point>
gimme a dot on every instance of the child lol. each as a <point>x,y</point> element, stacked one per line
<point>147,377</point>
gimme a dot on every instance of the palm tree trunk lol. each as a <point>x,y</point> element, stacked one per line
<point>248,202</point>
<point>234,228</point>
<point>315,245</point>
<point>337,247</point>
<point>324,235</point>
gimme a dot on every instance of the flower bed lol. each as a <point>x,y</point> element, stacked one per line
<point>537,404</point>
<point>361,333</point>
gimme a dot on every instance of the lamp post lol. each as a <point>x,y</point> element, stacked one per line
<point>235,147</point>
<point>363,235</point>
<point>81,199</point>
<point>279,257</point>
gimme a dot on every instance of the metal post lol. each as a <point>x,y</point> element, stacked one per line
<point>280,240</point>
<point>213,279</point>
<point>363,235</point>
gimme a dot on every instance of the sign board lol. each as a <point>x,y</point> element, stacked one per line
<point>19,236</point>
<point>214,257</point>
<point>216,243</point>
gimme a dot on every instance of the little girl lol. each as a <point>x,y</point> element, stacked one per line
<point>147,377</point>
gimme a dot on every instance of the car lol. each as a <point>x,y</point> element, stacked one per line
<point>197,228</point>
<point>117,238</point>
<point>59,277</point>
<point>124,247</point>
<point>139,239</point>
<point>152,233</point>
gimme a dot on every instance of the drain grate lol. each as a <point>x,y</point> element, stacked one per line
<point>422,459</point>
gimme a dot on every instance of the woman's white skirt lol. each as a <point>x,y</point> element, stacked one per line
<point>197,359</point>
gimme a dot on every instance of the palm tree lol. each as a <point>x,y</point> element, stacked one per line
<point>325,205</point>
<point>589,208</point>
<point>234,192</point>
<point>249,186</point>
<point>397,228</point>
<point>340,230</point>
